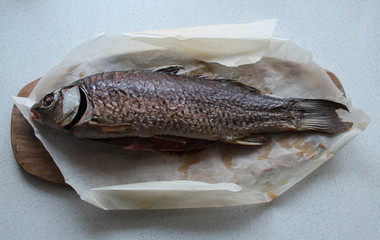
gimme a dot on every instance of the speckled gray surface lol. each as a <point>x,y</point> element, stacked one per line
<point>340,200</point>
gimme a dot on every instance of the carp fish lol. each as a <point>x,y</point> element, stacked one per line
<point>172,107</point>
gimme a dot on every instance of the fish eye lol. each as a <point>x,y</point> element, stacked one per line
<point>48,99</point>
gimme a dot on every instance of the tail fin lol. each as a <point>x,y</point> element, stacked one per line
<point>321,115</point>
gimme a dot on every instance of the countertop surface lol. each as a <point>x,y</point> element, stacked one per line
<point>340,200</point>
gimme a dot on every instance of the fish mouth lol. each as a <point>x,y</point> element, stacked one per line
<point>34,114</point>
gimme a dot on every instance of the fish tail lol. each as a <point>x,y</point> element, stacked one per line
<point>321,115</point>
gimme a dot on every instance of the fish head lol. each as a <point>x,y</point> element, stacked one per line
<point>59,108</point>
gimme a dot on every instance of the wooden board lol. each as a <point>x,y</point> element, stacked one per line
<point>32,156</point>
<point>29,152</point>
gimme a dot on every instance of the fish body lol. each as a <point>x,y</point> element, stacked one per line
<point>160,104</point>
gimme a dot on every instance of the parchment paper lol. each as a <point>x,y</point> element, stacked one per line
<point>223,175</point>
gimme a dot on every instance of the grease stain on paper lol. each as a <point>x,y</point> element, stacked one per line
<point>272,195</point>
<point>266,153</point>
<point>226,156</point>
<point>267,150</point>
<point>305,148</point>
<point>189,161</point>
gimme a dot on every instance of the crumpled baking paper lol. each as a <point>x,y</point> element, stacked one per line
<point>223,175</point>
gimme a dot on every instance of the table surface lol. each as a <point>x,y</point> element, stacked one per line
<point>340,200</point>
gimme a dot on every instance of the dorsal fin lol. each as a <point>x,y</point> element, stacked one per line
<point>171,69</point>
<point>239,84</point>
<point>174,69</point>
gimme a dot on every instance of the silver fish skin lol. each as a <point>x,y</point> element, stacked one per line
<point>149,104</point>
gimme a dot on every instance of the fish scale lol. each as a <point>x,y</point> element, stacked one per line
<point>195,110</point>
<point>148,104</point>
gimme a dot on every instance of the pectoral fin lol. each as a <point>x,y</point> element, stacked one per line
<point>118,129</point>
<point>252,140</point>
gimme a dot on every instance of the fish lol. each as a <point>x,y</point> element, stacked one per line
<point>179,108</point>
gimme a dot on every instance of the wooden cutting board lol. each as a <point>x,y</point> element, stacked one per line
<point>32,156</point>
<point>29,152</point>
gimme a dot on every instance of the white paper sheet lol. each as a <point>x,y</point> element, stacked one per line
<point>221,175</point>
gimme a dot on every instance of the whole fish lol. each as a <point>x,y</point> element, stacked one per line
<point>170,106</point>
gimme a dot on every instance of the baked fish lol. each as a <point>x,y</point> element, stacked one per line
<point>165,105</point>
